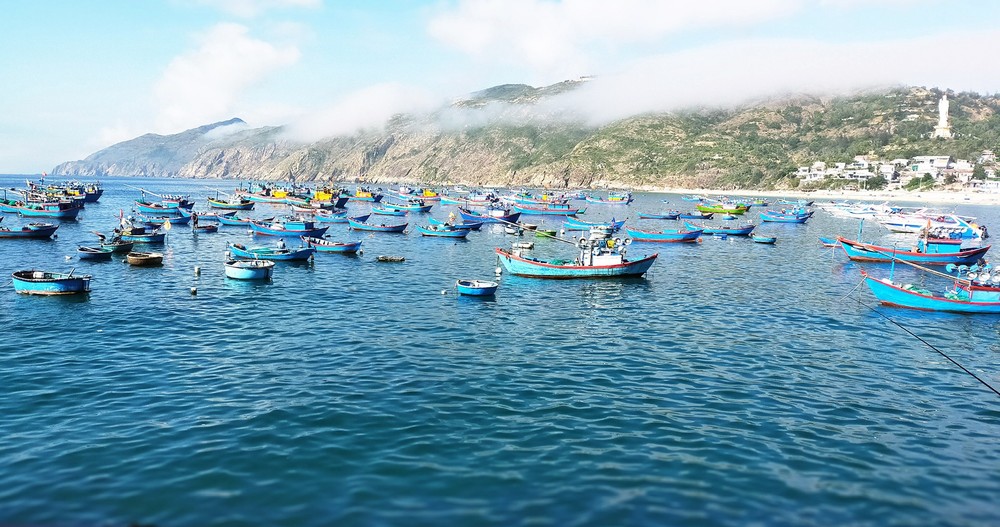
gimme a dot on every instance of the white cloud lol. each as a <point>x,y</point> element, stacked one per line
<point>203,85</point>
<point>252,8</point>
<point>365,109</point>
<point>559,35</point>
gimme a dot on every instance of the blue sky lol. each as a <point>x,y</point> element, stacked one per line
<point>80,76</point>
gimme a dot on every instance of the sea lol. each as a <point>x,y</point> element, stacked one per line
<point>735,384</point>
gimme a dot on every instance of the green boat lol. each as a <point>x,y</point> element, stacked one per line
<point>724,208</point>
<point>545,233</point>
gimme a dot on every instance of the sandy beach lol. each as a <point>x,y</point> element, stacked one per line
<point>893,196</point>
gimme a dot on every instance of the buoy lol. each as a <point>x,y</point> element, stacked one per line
<point>197,271</point>
<point>444,291</point>
<point>499,271</point>
<point>194,290</point>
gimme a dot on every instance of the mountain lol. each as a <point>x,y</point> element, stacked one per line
<point>509,136</point>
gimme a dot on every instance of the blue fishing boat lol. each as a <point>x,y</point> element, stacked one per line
<point>206,228</point>
<point>242,252</point>
<point>360,223</point>
<point>295,228</point>
<point>977,293</point>
<point>743,230</point>
<point>32,282</point>
<point>31,231</point>
<point>234,203</point>
<point>476,287</point>
<point>775,216</point>
<point>930,251</point>
<point>236,219</point>
<point>548,209</point>
<point>412,205</point>
<point>249,269</point>
<point>386,211</point>
<point>665,236</point>
<point>696,215</point>
<point>94,253</point>
<point>669,215</point>
<point>156,221</point>
<point>61,210</point>
<point>828,242</point>
<point>331,216</point>
<point>467,225</point>
<point>757,238</point>
<point>594,261</point>
<point>161,209</point>
<point>117,245</point>
<point>329,246</point>
<point>491,216</point>
<point>443,231</point>
<point>139,234</point>
<point>576,224</point>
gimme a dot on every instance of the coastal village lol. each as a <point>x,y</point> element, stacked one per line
<point>867,171</point>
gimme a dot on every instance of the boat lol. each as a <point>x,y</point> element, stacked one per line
<point>597,259</point>
<point>32,282</point>
<point>828,242</point>
<point>388,211</point>
<point>143,259</point>
<point>30,231</point>
<point>614,198</point>
<point>978,292</point>
<point>288,228</point>
<point>443,231</point>
<point>236,219</point>
<point>249,269</point>
<point>331,216</point>
<point>784,217</point>
<point>361,223</point>
<point>468,225</point>
<point>665,236</point>
<point>548,209</point>
<point>234,203</point>
<point>328,246</point>
<point>669,215</point>
<point>724,208</point>
<point>388,258</point>
<point>929,251</point>
<point>94,253</point>
<point>695,215</point>
<point>491,216</point>
<point>737,230</point>
<point>60,210</point>
<point>137,234</point>
<point>162,209</point>
<point>757,238</point>
<point>206,228</point>
<point>156,221</point>
<point>476,287</point>
<point>412,205</point>
<point>576,224</point>
<point>117,245</point>
<point>270,253</point>
<point>361,194</point>
<point>545,233</point>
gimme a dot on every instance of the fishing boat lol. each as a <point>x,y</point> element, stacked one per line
<point>331,216</point>
<point>236,219</point>
<point>696,215</point>
<point>443,231</point>
<point>139,234</point>
<point>156,221</point>
<point>665,236</point>
<point>467,225</point>
<point>669,215</point>
<point>143,259</point>
<point>476,287</point>
<point>328,246</point>
<point>31,231</point>
<point>60,210</point>
<point>597,259</point>
<point>576,224</point>
<point>757,238</point>
<point>161,209</point>
<point>977,292</point>
<point>545,233</point>
<point>388,211</point>
<point>32,282</point>
<point>736,230</point>
<point>249,269</point>
<point>361,194</point>
<point>295,228</point>
<point>205,228</point>
<point>828,242</point>
<point>723,208</point>
<point>492,215</point>
<point>775,216</point>
<point>360,223</point>
<point>412,205</point>
<point>929,251</point>
<point>242,252</point>
<point>117,245</point>
<point>548,209</point>
<point>94,253</point>
<point>234,203</point>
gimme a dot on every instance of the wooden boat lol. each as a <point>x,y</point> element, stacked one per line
<point>443,231</point>
<point>365,195</point>
<point>593,262</point>
<point>784,217</point>
<point>613,199</point>
<point>331,216</point>
<point>156,221</point>
<point>270,253</point>
<point>389,259</point>
<point>32,282</point>
<point>969,296</point>
<point>288,228</point>
<point>142,259</point>
<point>491,216</point>
<point>476,287</point>
<point>30,231</point>
<point>249,269</point>
<point>745,230</point>
<point>548,209</point>
<point>142,235</point>
<point>696,215</point>
<point>236,219</point>
<point>361,223</point>
<point>931,251</point>
<point>61,210</point>
<point>828,242</point>
<point>669,215</point>
<point>665,236</point>
<point>723,208</point>
<point>413,205</point>
<point>162,209</point>
<point>467,225</point>
<point>328,246</point>
<point>205,229</point>
<point>236,203</point>
<point>117,245</point>
<point>94,253</point>
<point>384,211</point>
<point>757,238</point>
<point>545,233</point>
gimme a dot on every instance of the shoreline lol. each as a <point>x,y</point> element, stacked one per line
<point>929,197</point>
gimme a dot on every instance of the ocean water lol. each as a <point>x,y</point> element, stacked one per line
<point>736,384</point>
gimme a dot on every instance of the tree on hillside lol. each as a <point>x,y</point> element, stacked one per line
<point>875,183</point>
<point>978,172</point>
<point>950,179</point>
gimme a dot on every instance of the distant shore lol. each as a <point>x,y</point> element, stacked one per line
<point>894,196</point>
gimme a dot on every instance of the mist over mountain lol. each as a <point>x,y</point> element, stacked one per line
<point>515,134</point>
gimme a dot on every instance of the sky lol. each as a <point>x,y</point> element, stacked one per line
<point>79,76</point>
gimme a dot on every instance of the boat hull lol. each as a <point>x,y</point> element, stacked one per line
<point>476,287</point>
<point>327,246</point>
<point>520,266</point>
<point>675,236</point>
<point>33,282</point>
<point>864,252</point>
<point>894,295</point>
<point>249,269</point>
<point>271,253</point>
